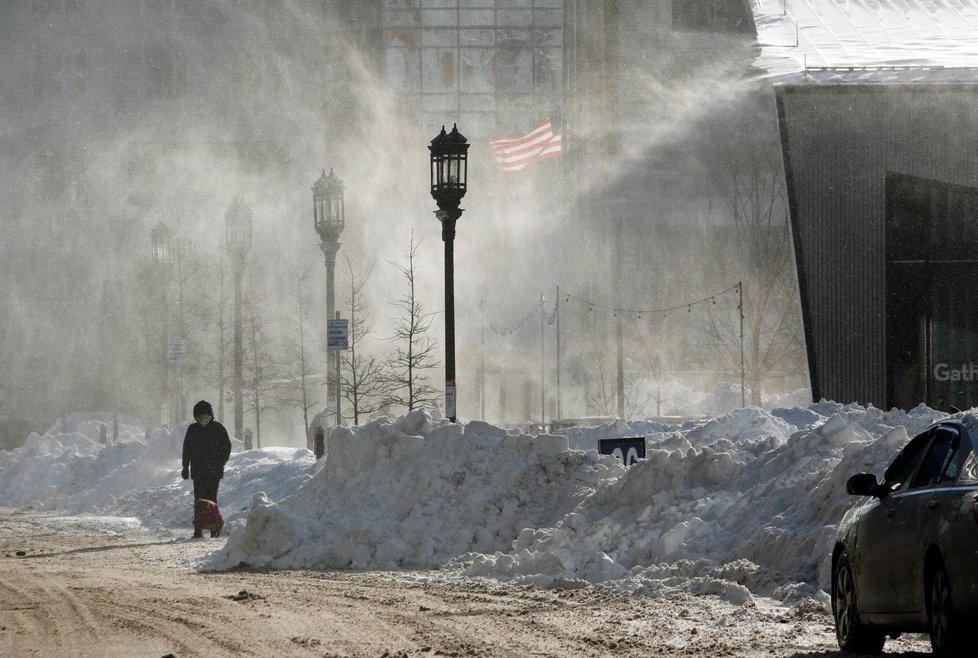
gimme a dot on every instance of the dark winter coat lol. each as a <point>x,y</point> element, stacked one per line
<point>206,450</point>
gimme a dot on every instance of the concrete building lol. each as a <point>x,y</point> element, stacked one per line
<point>879,136</point>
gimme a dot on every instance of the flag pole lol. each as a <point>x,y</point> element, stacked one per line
<point>558,352</point>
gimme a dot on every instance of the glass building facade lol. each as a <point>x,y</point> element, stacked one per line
<point>931,293</point>
<point>495,65</point>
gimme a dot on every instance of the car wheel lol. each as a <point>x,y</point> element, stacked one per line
<point>853,636</point>
<point>945,633</point>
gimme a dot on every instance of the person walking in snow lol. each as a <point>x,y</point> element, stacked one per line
<point>206,449</point>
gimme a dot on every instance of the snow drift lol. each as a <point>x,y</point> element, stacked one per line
<point>739,505</point>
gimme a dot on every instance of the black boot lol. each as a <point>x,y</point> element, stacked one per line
<point>198,534</point>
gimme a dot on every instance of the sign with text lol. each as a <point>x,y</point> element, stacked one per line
<point>450,398</point>
<point>176,351</point>
<point>628,450</point>
<point>337,334</point>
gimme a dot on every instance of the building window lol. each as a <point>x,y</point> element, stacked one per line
<point>46,75</point>
<point>492,64</point>
<point>514,71</point>
<point>75,74</point>
<point>710,16</point>
<point>931,293</point>
<point>54,74</point>
<point>51,7</point>
<point>49,172</point>
<point>166,74</point>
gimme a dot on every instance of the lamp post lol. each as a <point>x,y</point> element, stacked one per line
<point>161,239</point>
<point>449,170</point>
<point>238,226</point>
<point>328,219</point>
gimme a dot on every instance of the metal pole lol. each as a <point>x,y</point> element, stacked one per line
<point>451,393</point>
<point>336,354</point>
<point>558,352</point>
<point>165,365</point>
<point>330,247</point>
<point>221,346</point>
<point>330,266</point>
<point>482,360</point>
<point>543,381</point>
<point>238,354</point>
<point>448,218</point>
<point>618,314</point>
<point>743,376</point>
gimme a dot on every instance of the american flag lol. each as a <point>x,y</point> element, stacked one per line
<point>516,153</point>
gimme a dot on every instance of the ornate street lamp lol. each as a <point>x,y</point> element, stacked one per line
<point>328,219</point>
<point>449,171</point>
<point>161,240</point>
<point>238,227</point>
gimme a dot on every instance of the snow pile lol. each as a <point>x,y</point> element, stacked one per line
<point>738,505</point>
<point>741,497</point>
<point>69,469</point>
<point>410,493</point>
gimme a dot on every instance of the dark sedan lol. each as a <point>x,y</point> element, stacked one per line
<point>907,560</point>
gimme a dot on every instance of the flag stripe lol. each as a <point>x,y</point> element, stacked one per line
<point>545,127</point>
<point>516,153</point>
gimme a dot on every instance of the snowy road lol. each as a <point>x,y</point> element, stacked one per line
<point>97,586</point>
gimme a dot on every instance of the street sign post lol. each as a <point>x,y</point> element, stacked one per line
<point>337,334</point>
<point>176,351</point>
<point>450,398</point>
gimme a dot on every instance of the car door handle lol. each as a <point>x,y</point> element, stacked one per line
<point>890,511</point>
<point>933,503</point>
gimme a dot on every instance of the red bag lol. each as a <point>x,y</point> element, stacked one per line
<point>207,516</point>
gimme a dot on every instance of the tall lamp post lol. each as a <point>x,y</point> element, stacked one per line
<point>238,226</point>
<point>449,170</point>
<point>328,219</point>
<point>161,239</point>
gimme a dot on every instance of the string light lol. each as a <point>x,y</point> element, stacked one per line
<point>639,312</point>
<point>615,310</point>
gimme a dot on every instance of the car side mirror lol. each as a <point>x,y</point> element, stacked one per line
<point>863,484</point>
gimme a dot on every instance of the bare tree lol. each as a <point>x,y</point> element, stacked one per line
<point>595,374</point>
<point>214,345</point>
<point>749,176</point>
<point>192,312</point>
<point>260,367</point>
<point>300,377</point>
<point>413,349</point>
<point>593,371</point>
<point>362,378</point>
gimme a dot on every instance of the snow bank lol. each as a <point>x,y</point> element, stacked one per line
<point>736,506</point>
<point>741,504</point>
<point>409,493</point>
<point>69,469</point>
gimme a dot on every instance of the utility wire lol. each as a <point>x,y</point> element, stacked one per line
<point>640,312</point>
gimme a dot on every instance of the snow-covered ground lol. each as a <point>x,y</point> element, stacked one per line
<point>740,505</point>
